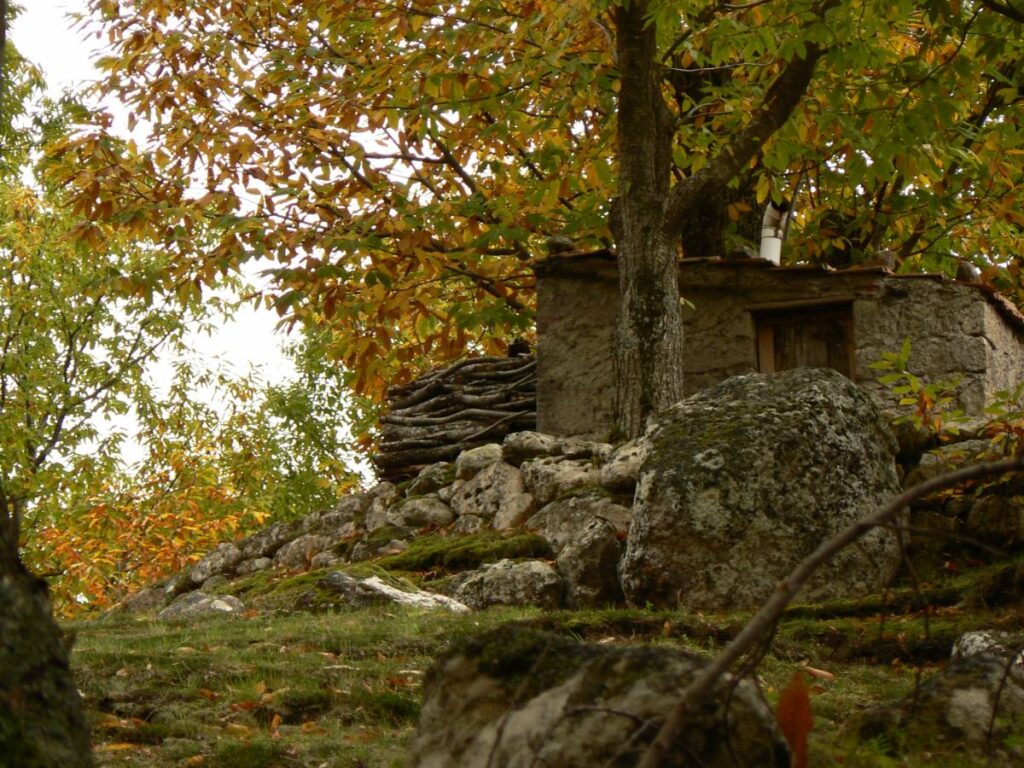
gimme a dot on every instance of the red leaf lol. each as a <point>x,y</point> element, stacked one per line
<point>795,719</point>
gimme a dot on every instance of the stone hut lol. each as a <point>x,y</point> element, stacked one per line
<point>749,315</point>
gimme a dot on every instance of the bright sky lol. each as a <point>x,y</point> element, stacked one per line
<point>45,36</point>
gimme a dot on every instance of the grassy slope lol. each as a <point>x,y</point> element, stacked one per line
<point>342,688</point>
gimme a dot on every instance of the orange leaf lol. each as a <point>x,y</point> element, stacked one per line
<point>793,713</point>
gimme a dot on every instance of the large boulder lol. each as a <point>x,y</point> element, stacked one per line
<point>516,698</point>
<point>743,480</point>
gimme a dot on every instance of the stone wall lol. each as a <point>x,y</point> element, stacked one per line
<point>956,329</point>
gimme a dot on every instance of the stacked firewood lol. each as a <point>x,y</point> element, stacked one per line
<point>467,404</point>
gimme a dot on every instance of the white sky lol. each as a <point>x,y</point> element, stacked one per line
<point>45,36</point>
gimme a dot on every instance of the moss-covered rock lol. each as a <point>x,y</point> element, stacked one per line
<point>743,480</point>
<point>518,697</point>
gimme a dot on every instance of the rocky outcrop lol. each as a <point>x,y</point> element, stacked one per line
<point>519,698</point>
<point>746,478</point>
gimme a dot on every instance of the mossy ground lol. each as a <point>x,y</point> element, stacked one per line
<point>283,687</point>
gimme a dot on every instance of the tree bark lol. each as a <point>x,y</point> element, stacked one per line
<point>42,722</point>
<point>649,344</point>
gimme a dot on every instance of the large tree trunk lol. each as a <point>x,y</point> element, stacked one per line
<point>42,722</point>
<point>649,344</point>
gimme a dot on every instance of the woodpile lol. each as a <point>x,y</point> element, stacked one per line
<point>470,403</point>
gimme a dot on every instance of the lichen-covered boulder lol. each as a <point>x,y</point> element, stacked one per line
<point>531,582</point>
<point>517,698</point>
<point>745,479</point>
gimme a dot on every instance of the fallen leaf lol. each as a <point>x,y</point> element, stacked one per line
<point>123,672</point>
<point>821,674</point>
<point>116,747</point>
<point>793,713</point>
<point>312,727</point>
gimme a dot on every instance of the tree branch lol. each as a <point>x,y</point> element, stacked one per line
<point>780,101</point>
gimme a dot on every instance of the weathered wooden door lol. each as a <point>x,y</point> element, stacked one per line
<point>805,337</point>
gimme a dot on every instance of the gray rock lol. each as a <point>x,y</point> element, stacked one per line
<point>953,709</point>
<point>269,540</point>
<point>431,479</point>
<point>496,488</point>
<point>300,552</point>
<point>589,563</point>
<point>148,600</point>
<point>743,480</point>
<point>620,473</point>
<point>988,642</point>
<point>382,497</point>
<point>470,524</point>
<point>388,540</point>
<point>562,521</point>
<point>470,462</point>
<point>514,511</point>
<point>997,520</point>
<point>343,520</point>
<point>519,698</point>
<point>522,446</point>
<point>531,582</point>
<point>193,604</point>
<point>222,560</point>
<point>447,493</point>
<point>374,591</point>
<point>549,478</point>
<point>421,512</point>
<point>325,560</point>
<point>252,566</point>
<point>179,584</point>
<point>576,448</point>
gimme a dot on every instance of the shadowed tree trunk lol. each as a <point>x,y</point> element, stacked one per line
<point>650,328</point>
<point>42,722</point>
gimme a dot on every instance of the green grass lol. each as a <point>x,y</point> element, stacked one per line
<point>284,686</point>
